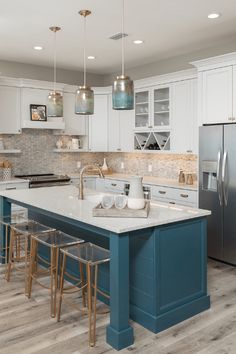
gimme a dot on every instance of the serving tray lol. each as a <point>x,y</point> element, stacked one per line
<point>122,213</point>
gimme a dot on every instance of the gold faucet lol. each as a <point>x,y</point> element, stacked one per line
<point>81,182</point>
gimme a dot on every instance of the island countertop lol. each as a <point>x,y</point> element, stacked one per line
<point>63,200</point>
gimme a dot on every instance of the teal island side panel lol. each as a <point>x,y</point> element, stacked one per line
<point>168,274</point>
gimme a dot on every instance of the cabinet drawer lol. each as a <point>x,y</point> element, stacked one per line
<point>184,195</point>
<point>159,192</point>
<point>114,186</point>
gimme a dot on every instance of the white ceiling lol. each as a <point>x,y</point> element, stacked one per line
<point>168,27</point>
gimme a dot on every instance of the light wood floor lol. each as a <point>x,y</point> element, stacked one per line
<point>25,325</point>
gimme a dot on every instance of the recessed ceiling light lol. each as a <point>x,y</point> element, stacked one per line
<point>138,41</point>
<point>214,15</point>
<point>38,47</point>
<point>91,57</point>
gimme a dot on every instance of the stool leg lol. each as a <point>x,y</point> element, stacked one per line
<point>11,250</point>
<point>61,286</point>
<point>94,305</point>
<point>6,250</point>
<point>56,258</point>
<point>89,302</point>
<point>26,266</point>
<point>82,283</point>
<point>51,278</point>
<point>32,265</point>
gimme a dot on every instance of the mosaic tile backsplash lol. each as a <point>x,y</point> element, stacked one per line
<point>37,156</point>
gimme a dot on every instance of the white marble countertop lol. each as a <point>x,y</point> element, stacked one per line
<point>151,180</point>
<point>64,201</point>
<point>13,180</point>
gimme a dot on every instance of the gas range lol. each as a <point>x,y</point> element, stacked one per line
<point>45,180</point>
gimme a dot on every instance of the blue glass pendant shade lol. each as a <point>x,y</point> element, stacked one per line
<point>84,101</point>
<point>123,93</point>
<point>55,104</point>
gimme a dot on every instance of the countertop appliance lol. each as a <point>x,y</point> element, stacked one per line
<point>45,180</point>
<point>217,188</point>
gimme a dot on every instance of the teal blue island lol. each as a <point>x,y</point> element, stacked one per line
<point>158,270</point>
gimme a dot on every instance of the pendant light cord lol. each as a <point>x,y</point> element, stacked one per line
<point>84,50</point>
<point>55,60</point>
<point>122,30</point>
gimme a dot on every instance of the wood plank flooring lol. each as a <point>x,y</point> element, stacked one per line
<point>26,327</point>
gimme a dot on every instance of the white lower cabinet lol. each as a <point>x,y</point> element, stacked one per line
<point>98,124</point>
<point>185,197</point>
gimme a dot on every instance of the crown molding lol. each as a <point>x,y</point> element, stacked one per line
<point>215,62</point>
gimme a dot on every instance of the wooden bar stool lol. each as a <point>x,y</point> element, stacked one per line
<point>19,246</point>
<point>5,224</point>
<point>52,242</point>
<point>91,256</point>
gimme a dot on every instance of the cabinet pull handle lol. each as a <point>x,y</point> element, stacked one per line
<point>118,149</point>
<point>184,195</point>
<point>171,202</point>
<point>150,126</point>
<point>114,184</point>
<point>162,192</point>
<point>189,151</point>
<point>9,188</point>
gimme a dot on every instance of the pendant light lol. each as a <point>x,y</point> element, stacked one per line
<point>84,100</point>
<point>55,99</point>
<point>123,86</point>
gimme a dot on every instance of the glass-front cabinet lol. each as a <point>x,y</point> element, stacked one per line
<point>152,118</point>
<point>142,109</point>
<point>161,103</point>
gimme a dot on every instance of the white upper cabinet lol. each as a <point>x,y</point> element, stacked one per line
<point>98,124</point>
<point>37,96</point>
<point>217,95</point>
<point>120,129</point>
<point>74,124</point>
<point>9,110</point>
<point>184,122</point>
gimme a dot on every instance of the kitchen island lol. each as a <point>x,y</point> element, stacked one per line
<point>158,268</point>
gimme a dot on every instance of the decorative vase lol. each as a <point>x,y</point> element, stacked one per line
<point>136,196</point>
<point>104,166</point>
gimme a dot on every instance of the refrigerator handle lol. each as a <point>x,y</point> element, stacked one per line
<point>219,187</point>
<point>224,178</point>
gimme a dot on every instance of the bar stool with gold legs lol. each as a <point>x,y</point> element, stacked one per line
<point>6,223</point>
<point>19,250</point>
<point>51,242</point>
<point>91,256</point>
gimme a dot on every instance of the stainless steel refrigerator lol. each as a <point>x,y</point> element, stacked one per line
<point>217,188</point>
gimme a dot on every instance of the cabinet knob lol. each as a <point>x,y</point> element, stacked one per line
<point>184,195</point>
<point>162,192</point>
<point>114,184</point>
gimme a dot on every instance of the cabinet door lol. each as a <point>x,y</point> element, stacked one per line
<point>113,128</point>
<point>161,107</point>
<point>217,95</point>
<point>98,124</point>
<point>9,110</point>
<point>142,109</point>
<point>74,123</point>
<point>126,130</point>
<point>120,129</point>
<point>184,119</point>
